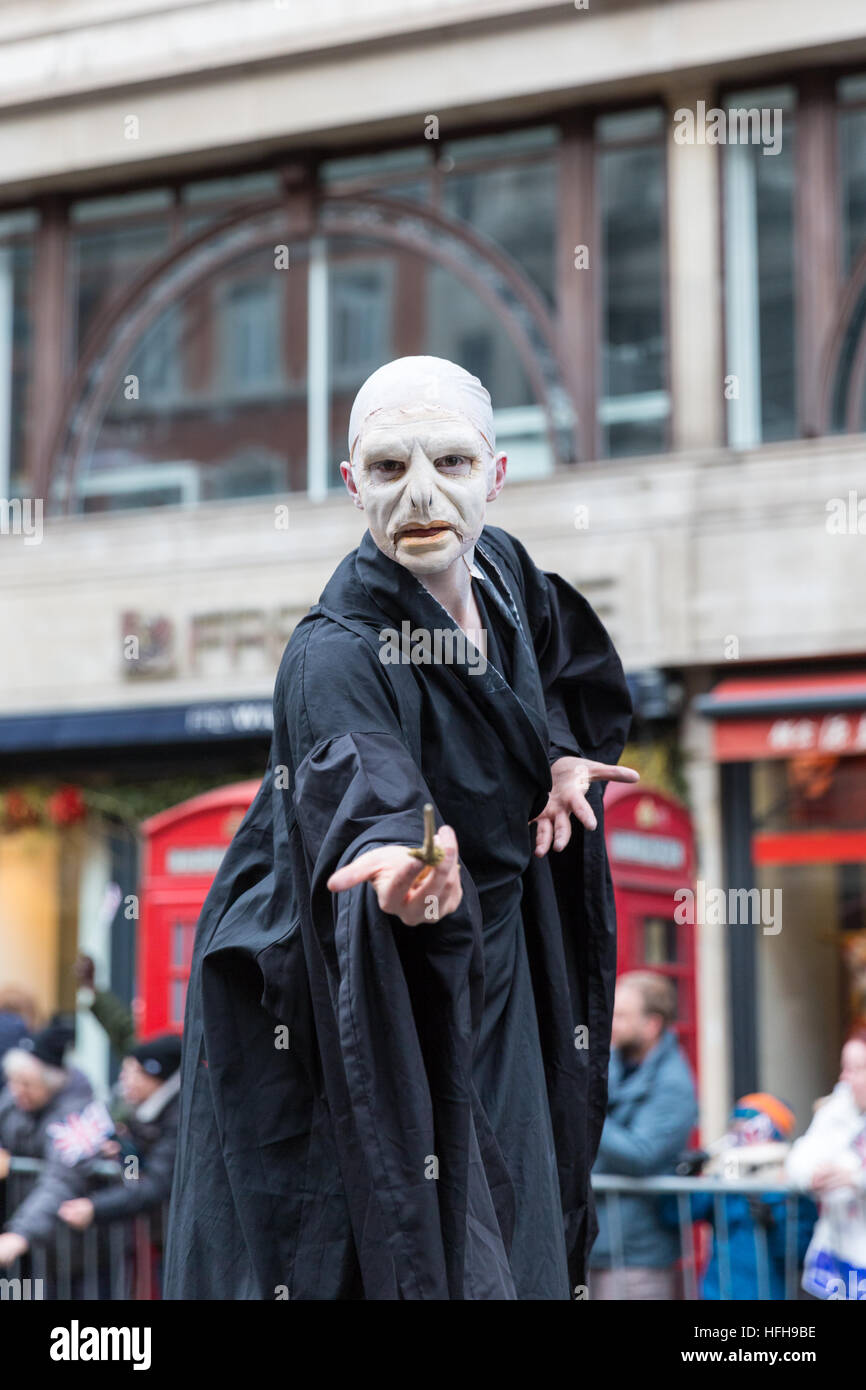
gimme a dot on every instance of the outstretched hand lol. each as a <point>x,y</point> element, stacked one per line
<point>405,891</point>
<point>571,779</point>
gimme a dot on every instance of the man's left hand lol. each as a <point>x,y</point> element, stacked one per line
<point>571,779</point>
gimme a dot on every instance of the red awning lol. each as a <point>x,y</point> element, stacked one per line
<point>783,716</point>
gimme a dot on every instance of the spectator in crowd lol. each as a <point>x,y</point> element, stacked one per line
<point>36,1105</point>
<point>106,1008</point>
<point>651,1110</point>
<point>750,1230</point>
<point>830,1161</point>
<point>150,1084</point>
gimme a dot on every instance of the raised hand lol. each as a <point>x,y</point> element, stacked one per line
<point>403,891</point>
<point>571,779</point>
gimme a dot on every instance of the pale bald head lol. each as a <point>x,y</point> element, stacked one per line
<point>430,384</point>
<point>422,461</point>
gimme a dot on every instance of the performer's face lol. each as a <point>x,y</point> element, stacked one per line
<point>424,479</point>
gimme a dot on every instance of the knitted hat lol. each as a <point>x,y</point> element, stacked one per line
<point>160,1057</point>
<point>761,1117</point>
<point>50,1044</point>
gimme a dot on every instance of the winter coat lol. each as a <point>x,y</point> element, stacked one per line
<point>650,1114</point>
<point>152,1129</point>
<point>836,1135</point>
<point>27,1134</point>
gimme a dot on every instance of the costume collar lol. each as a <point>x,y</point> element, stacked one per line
<point>517,712</point>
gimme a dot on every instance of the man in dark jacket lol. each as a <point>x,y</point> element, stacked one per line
<point>150,1083</point>
<point>393,1085</point>
<point>41,1098</point>
<point>651,1110</point>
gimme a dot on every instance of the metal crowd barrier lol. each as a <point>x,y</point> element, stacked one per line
<point>117,1260</point>
<point>610,1188</point>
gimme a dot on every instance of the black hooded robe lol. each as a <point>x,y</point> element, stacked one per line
<point>370,1110</point>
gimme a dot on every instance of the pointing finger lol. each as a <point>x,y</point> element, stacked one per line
<point>608,772</point>
<point>359,871</point>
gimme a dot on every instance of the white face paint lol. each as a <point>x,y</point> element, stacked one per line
<point>424,477</point>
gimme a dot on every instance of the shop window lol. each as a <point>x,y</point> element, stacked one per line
<point>17,232</point>
<point>852,166</point>
<point>635,405</point>
<point>759,277</point>
<point>157,364</point>
<point>220,409</point>
<point>250,337</point>
<point>846,411</point>
<point>376,171</point>
<point>208,194</point>
<point>111,241</point>
<point>513,200</point>
<point>360,315</point>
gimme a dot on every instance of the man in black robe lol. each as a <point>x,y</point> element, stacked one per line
<point>394,1077</point>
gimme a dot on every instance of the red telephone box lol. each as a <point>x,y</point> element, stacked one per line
<point>651,848</point>
<point>183,848</point>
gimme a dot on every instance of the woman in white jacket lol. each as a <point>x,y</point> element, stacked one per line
<point>830,1161</point>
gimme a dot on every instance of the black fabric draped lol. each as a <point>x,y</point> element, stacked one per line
<point>429,1128</point>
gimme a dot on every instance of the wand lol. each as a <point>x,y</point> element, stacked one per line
<point>429,853</point>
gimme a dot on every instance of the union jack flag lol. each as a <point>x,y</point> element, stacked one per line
<point>81,1135</point>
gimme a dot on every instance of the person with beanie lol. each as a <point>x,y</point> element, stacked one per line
<point>750,1229</point>
<point>150,1083</point>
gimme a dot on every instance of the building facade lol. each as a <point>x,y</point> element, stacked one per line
<point>643,225</point>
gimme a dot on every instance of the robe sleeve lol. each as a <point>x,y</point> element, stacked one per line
<point>395,1006</point>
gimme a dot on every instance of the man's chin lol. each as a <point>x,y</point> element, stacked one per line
<point>428,552</point>
<point>429,560</point>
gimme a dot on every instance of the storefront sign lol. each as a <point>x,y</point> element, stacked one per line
<point>744,740</point>
<point>241,640</point>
